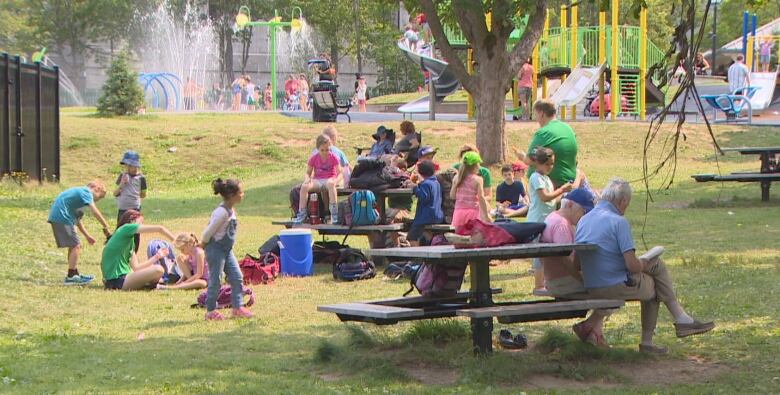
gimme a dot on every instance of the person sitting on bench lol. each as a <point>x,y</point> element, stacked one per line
<point>613,270</point>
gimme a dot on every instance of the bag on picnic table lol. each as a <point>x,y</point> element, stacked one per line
<point>368,174</point>
<point>345,212</point>
<point>224,296</point>
<point>352,265</point>
<point>362,207</point>
<point>445,179</point>
<point>394,176</point>
<point>261,270</point>
<point>295,199</point>
<point>436,280</point>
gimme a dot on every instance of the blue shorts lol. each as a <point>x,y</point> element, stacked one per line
<point>116,283</point>
<point>415,232</point>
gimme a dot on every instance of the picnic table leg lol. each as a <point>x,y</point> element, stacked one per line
<point>382,209</point>
<point>765,190</point>
<point>481,296</point>
<point>765,163</point>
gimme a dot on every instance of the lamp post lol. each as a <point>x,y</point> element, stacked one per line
<point>714,4</point>
<point>243,19</point>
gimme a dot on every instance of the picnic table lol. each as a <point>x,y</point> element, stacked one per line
<point>477,304</point>
<point>768,172</point>
<point>381,198</point>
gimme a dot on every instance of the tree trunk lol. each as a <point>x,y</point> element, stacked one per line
<point>491,139</point>
<point>334,57</point>
<point>358,49</point>
<point>227,55</point>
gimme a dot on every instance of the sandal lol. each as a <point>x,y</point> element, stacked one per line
<point>507,341</point>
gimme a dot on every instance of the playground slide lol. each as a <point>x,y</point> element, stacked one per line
<point>444,81</point>
<point>577,85</point>
<point>765,82</point>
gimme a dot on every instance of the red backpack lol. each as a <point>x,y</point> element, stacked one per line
<point>260,270</point>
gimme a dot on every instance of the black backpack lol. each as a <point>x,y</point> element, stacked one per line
<point>295,199</point>
<point>445,179</point>
<point>270,246</point>
<point>327,251</point>
<point>352,265</point>
<point>367,174</point>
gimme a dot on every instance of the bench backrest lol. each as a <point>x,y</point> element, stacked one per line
<point>324,100</point>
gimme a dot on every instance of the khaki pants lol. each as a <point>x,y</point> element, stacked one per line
<point>651,287</point>
<point>572,288</point>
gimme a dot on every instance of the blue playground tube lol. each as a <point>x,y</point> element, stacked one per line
<point>167,83</point>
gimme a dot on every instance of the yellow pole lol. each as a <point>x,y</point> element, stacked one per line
<point>749,53</point>
<point>574,50</point>
<point>534,79</point>
<point>546,39</point>
<point>643,63</point>
<point>563,50</point>
<point>614,91</point>
<point>470,68</point>
<point>602,59</point>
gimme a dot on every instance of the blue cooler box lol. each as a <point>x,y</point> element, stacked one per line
<point>296,254</point>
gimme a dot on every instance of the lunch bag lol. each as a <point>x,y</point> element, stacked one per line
<point>437,280</point>
<point>223,298</point>
<point>352,265</point>
<point>260,270</point>
<point>362,207</point>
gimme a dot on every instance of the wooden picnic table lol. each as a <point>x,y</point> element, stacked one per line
<point>381,198</point>
<point>768,172</point>
<point>480,307</point>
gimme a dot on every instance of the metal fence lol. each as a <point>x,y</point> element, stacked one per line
<point>29,119</point>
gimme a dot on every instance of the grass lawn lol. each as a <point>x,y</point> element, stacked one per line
<point>721,245</point>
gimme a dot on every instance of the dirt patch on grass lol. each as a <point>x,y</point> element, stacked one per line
<point>331,377</point>
<point>661,371</point>
<point>433,375</point>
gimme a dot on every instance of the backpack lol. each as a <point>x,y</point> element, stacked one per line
<point>352,265</point>
<point>394,176</point>
<point>261,270</point>
<point>271,245</point>
<point>295,199</point>
<point>367,174</point>
<point>445,179</point>
<point>171,273</point>
<point>436,280</point>
<point>326,251</point>
<point>362,207</point>
<point>223,298</point>
<point>345,212</point>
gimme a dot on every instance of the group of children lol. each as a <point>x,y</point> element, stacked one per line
<point>199,263</point>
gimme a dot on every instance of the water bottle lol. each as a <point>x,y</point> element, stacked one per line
<point>314,209</point>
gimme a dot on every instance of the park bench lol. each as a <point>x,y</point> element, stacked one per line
<point>327,101</point>
<point>768,172</point>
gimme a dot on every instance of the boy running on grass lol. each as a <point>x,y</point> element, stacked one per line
<point>65,217</point>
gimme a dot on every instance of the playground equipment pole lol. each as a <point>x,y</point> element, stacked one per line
<point>745,18</point>
<point>614,91</point>
<point>642,63</point>
<point>752,46</point>
<point>602,59</point>
<point>534,79</point>
<point>749,48</point>
<point>545,38</point>
<point>272,33</point>
<point>574,50</point>
<point>562,46</point>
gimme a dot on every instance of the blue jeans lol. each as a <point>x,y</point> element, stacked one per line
<point>218,260</point>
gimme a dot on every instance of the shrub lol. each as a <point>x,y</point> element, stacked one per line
<point>121,94</point>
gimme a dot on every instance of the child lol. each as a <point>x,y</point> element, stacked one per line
<point>544,198</point>
<point>468,193</point>
<point>191,262</point>
<point>399,207</point>
<point>268,97</point>
<point>65,217</point>
<point>429,208</point>
<point>218,240</point>
<point>511,197</point>
<point>428,153</point>
<point>322,174</point>
<point>131,187</point>
<point>411,37</point>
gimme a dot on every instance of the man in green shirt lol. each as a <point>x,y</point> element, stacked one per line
<point>559,137</point>
<point>484,173</point>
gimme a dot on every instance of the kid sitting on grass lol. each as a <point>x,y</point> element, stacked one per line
<point>218,240</point>
<point>511,197</point>
<point>65,217</point>
<point>544,198</point>
<point>191,262</point>
<point>131,188</point>
<point>322,174</point>
<point>468,192</point>
<point>429,210</point>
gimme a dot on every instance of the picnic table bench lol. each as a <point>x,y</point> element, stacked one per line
<point>479,305</point>
<point>768,172</point>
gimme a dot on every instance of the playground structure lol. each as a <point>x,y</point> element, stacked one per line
<point>244,19</point>
<point>161,85</point>
<point>622,54</point>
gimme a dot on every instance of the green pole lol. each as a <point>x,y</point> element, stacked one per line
<point>273,64</point>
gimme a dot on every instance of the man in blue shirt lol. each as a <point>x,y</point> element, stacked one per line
<point>429,197</point>
<point>613,271</point>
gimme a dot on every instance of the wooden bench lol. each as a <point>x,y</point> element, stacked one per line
<point>415,301</point>
<point>440,228</point>
<point>764,178</point>
<point>539,310</point>
<point>325,229</point>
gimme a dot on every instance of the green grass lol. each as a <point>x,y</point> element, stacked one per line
<point>721,248</point>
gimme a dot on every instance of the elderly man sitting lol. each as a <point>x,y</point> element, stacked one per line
<point>613,270</point>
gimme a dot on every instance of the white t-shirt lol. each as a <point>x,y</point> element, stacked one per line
<point>220,219</point>
<point>738,75</point>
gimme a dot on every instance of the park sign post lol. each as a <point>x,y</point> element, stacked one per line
<point>243,20</point>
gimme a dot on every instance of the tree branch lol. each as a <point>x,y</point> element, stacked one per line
<point>455,64</point>
<point>524,47</point>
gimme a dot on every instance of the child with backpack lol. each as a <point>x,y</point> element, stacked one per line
<point>322,174</point>
<point>429,208</point>
<point>191,262</point>
<point>468,192</point>
<point>544,198</point>
<point>218,240</point>
<point>65,218</point>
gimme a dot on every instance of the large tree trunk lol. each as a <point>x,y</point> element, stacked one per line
<point>358,46</point>
<point>489,100</point>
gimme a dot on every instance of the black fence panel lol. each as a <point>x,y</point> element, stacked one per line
<point>29,120</point>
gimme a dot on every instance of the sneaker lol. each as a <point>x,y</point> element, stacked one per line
<point>242,312</point>
<point>299,218</point>
<point>87,277</point>
<point>77,280</point>
<point>334,220</point>
<point>695,328</point>
<point>214,316</point>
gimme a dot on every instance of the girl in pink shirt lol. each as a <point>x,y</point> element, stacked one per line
<point>322,175</point>
<point>468,192</point>
<point>191,262</point>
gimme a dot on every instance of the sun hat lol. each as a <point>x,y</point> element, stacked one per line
<point>472,158</point>
<point>581,196</point>
<point>519,166</point>
<point>426,150</point>
<point>131,158</point>
<point>379,131</point>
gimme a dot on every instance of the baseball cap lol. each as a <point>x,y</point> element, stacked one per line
<point>581,196</point>
<point>131,158</point>
<point>426,150</point>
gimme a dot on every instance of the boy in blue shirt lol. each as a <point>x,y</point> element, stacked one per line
<point>429,210</point>
<point>511,196</point>
<point>65,217</point>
